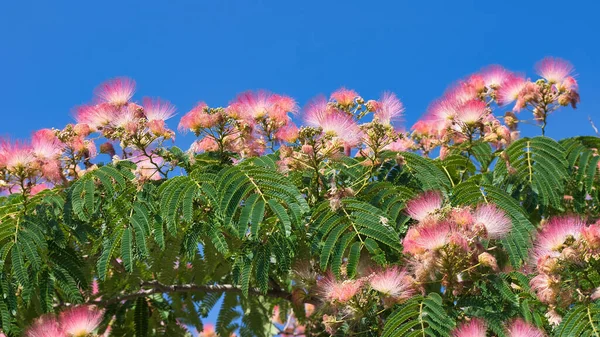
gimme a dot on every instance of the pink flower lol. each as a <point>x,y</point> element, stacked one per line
<point>126,117</point>
<point>494,220</point>
<point>316,110</point>
<point>591,234</point>
<point>510,90</point>
<point>424,205</point>
<point>147,169</point>
<point>551,239</point>
<point>95,116</point>
<point>344,97</point>
<point>393,282</point>
<point>38,188</point>
<point>334,123</point>
<point>80,321</point>
<point>45,144</point>
<point>401,145</point>
<point>389,108</point>
<point>287,133</point>
<point>461,93</point>
<point>198,119</point>
<point>471,112</point>
<point>495,75</point>
<point>555,70</point>
<point>206,144</point>
<point>428,236</point>
<point>45,326</point>
<point>520,328</point>
<point>208,331</point>
<point>443,109</point>
<point>16,156</point>
<point>252,106</point>
<point>339,291</point>
<point>157,110</point>
<point>117,91</point>
<point>473,328</point>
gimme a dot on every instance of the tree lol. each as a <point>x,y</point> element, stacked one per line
<point>344,226</point>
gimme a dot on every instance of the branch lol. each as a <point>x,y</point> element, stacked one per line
<point>155,287</point>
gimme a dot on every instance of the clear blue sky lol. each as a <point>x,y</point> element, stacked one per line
<point>53,53</point>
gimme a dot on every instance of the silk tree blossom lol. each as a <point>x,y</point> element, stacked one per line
<point>389,108</point>
<point>471,112</point>
<point>494,76</point>
<point>424,205</point>
<point>80,321</point>
<point>427,236</point>
<point>393,282</point>
<point>341,127</point>
<point>494,221</point>
<point>95,116</point>
<point>16,156</point>
<point>198,118</point>
<point>510,90</point>
<point>316,110</point>
<point>339,291</point>
<point>117,91</point>
<point>554,235</point>
<point>520,328</point>
<point>476,327</point>
<point>157,109</point>
<point>344,97</point>
<point>45,326</point>
<point>252,106</point>
<point>46,145</point>
<point>554,70</point>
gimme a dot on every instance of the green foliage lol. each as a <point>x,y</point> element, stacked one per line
<point>420,316</point>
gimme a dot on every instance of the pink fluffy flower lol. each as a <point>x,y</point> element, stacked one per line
<point>126,117</point>
<point>206,144</point>
<point>495,75</point>
<point>45,326</point>
<point>555,70</point>
<point>520,328</point>
<point>344,96</point>
<point>287,133</point>
<point>393,282</point>
<point>389,108</point>
<point>551,239</point>
<point>316,110</point>
<point>495,221</point>
<point>471,112</point>
<point>427,236</point>
<point>474,328</point>
<point>16,155</point>
<point>95,116</point>
<point>443,109</point>
<point>157,109</point>
<point>80,321</point>
<point>252,106</point>
<point>510,90</point>
<point>461,93</point>
<point>198,118</point>
<point>424,205</point>
<point>45,144</point>
<point>117,91</point>
<point>208,331</point>
<point>339,291</point>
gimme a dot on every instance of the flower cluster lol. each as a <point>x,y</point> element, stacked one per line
<point>79,321</point>
<point>476,327</point>
<point>449,245</point>
<point>565,246</point>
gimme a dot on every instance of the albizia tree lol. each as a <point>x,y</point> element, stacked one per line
<point>344,224</point>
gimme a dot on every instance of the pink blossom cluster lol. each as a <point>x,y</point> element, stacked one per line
<point>447,244</point>
<point>476,327</point>
<point>388,286</point>
<point>79,321</point>
<point>564,244</point>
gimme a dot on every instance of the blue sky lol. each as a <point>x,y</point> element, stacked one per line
<point>53,53</point>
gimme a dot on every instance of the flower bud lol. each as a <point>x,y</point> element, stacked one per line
<point>488,260</point>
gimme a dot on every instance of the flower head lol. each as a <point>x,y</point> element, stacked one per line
<point>520,328</point>
<point>157,109</point>
<point>80,321</point>
<point>45,144</point>
<point>393,282</point>
<point>495,75</point>
<point>556,232</point>
<point>339,291</point>
<point>95,116</point>
<point>471,112</point>
<point>252,106</point>
<point>473,328</point>
<point>554,70</point>
<point>424,205</point>
<point>389,108</point>
<point>427,236</point>
<point>494,220</point>
<point>344,96</point>
<point>510,89</point>
<point>117,91</point>
<point>45,326</point>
